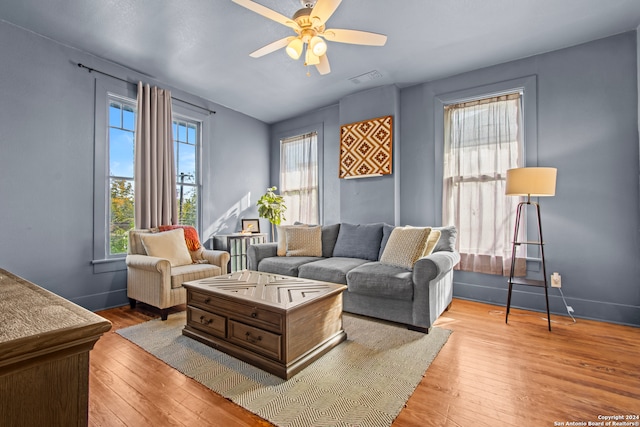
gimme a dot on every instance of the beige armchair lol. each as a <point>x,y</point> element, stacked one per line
<point>154,281</point>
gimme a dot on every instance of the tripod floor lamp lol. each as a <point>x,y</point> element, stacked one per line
<point>529,182</point>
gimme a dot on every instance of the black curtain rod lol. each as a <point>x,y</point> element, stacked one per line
<point>89,69</point>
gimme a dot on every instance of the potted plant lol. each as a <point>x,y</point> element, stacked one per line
<point>271,206</point>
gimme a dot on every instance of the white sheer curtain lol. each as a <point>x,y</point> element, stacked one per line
<point>482,140</point>
<point>299,178</point>
<point>155,174</point>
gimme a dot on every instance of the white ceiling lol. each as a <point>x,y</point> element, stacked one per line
<point>203,46</point>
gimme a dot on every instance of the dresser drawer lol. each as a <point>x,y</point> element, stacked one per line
<point>207,322</point>
<point>255,339</point>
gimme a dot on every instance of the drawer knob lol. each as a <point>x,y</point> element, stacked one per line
<point>207,300</point>
<point>254,314</point>
<point>252,339</point>
<point>205,321</point>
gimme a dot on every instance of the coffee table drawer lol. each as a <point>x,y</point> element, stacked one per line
<point>255,339</point>
<point>251,313</point>
<point>207,322</point>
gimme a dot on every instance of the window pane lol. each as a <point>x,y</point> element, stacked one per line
<point>186,163</point>
<point>191,133</point>
<point>128,118</point>
<point>182,132</point>
<point>185,151</point>
<point>115,118</point>
<point>187,205</point>
<point>121,144</point>
<point>121,214</point>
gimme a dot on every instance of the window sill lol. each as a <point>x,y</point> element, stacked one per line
<point>108,265</point>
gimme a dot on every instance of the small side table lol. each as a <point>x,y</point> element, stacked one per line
<point>236,244</point>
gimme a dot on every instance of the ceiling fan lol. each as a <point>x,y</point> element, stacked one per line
<point>309,25</point>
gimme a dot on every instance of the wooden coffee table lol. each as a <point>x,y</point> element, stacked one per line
<point>277,323</point>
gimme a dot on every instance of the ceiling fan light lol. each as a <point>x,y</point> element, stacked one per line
<point>294,48</point>
<point>318,46</point>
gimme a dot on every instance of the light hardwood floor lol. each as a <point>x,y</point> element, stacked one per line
<point>488,374</point>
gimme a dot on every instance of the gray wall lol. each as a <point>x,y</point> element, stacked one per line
<point>587,127</point>
<point>46,167</point>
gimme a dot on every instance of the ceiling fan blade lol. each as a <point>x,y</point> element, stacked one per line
<point>267,13</point>
<point>271,47</point>
<point>323,67</point>
<point>323,10</point>
<point>355,37</point>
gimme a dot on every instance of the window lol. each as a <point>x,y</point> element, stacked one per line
<point>121,120</point>
<point>185,143</point>
<point>482,139</point>
<point>299,178</point>
<point>121,138</point>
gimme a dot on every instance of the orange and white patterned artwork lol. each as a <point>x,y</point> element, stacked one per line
<point>366,147</point>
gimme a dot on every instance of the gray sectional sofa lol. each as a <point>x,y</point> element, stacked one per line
<point>351,255</point>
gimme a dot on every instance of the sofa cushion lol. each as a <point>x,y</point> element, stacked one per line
<point>447,240</point>
<point>381,280</point>
<point>169,245</point>
<point>329,238</point>
<point>359,241</point>
<point>287,266</point>
<point>304,241</point>
<point>405,246</point>
<point>333,269</point>
<point>186,273</point>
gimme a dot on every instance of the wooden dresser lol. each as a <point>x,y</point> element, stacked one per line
<point>44,355</point>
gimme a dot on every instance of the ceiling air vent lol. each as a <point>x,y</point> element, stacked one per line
<point>366,77</point>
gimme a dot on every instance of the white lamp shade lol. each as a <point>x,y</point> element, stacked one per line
<point>294,48</point>
<point>534,182</point>
<point>318,46</point>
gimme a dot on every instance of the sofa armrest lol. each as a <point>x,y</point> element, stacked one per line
<point>148,263</point>
<point>433,266</point>
<point>215,257</point>
<point>257,252</point>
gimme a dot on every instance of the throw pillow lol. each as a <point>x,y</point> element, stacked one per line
<point>359,241</point>
<point>405,246</point>
<point>169,245</point>
<point>447,240</point>
<point>282,237</point>
<point>304,241</point>
<point>329,237</point>
<point>432,241</point>
<point>190,235</point>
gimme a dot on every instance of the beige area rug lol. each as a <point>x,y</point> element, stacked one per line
<point>364,381</point>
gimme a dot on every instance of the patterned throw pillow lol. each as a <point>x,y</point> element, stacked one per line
<point>304,241</point>
<point>282,237</point>
<point>405,246</point>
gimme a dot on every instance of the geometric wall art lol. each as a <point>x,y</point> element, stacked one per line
<point>366,148</point>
